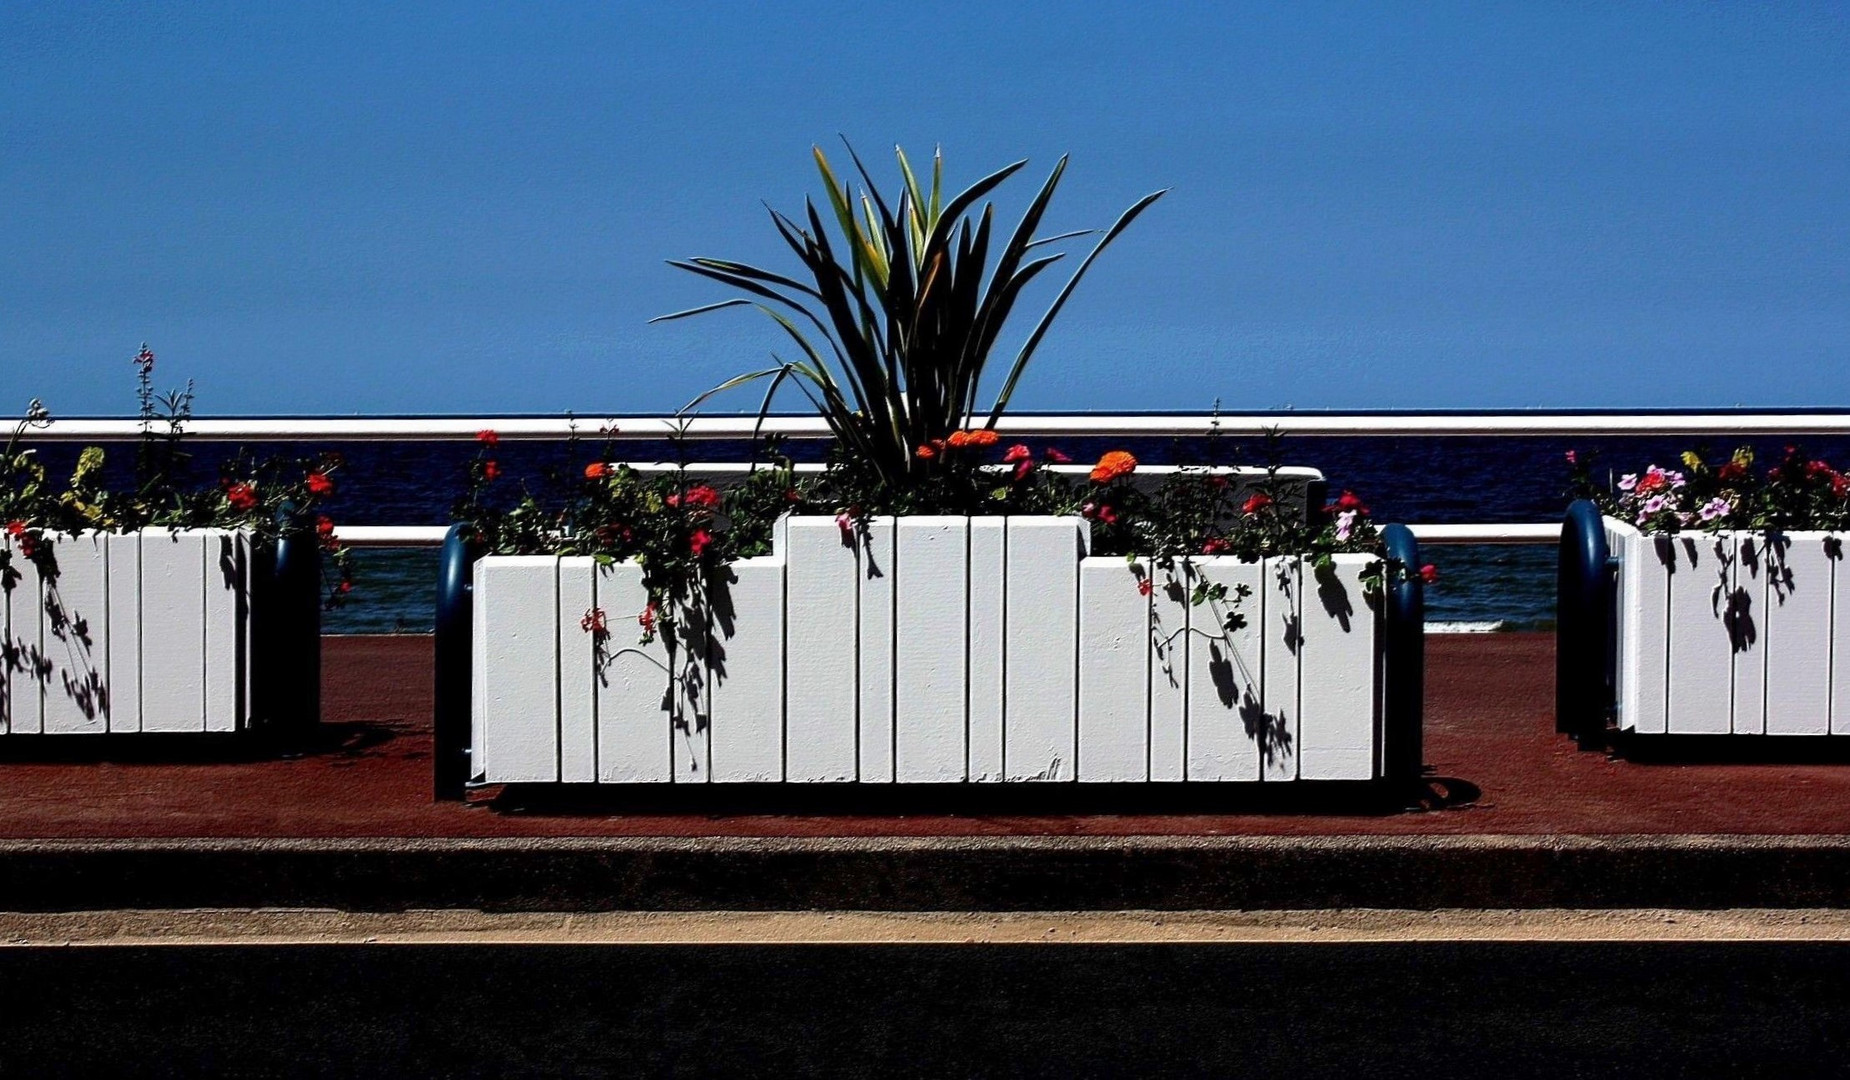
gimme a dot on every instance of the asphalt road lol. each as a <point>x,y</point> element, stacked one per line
<point>1427,1010</point>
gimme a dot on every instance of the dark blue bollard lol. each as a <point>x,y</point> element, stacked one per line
<point>455,661</point>
<point>285,662</point>
<point>1583,628</point>
<point>1403,691</point>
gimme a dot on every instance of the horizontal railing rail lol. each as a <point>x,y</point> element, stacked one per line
<point>436,428</point>
<point>402,536</point>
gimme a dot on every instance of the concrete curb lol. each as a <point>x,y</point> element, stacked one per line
<point>931,874</point>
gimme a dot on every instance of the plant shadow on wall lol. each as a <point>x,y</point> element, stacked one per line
<point>61,651</point>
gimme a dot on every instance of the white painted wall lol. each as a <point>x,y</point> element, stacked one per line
<point>929,650</point>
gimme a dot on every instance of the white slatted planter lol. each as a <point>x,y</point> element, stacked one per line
<point>1730,633</point>
<point>929,650</point>
<point>138,632</point>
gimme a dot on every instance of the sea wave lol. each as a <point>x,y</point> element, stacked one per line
<point>1467,627</point>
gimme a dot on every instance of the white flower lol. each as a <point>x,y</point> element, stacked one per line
<point>1345,521</point>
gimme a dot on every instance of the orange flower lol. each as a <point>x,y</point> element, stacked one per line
<point>1113,465</point>
<point>926,453</point>
<point>983,437</point>
<point>596,470</point>
<point>959,438</point>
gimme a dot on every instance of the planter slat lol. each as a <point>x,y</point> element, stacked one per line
<point>1339,684</point>
<point>223,570</point>
<point>634,713</point>
<point>1840,654</point>
<point>878,567</point>
<point>1273,731</point>
<point>822,623</point>
<point>122,619</point>
<point>1797,611</point>
<point>1225,689</point>
<point>1645,641</point>
<point>519,597</point>
<point>932,596</point>
<point>1701,654</point>
<point>1041,680</point>
<point>76,609</point>
<point>25,649</point>
<point>1169,633</point>
<point>173,579</point>
<point>577,671</point>
<point>690,753</point>
<point>745,667</point>
<point>1745,620</point>
<point>988,602</point>
<point>1114,671</point>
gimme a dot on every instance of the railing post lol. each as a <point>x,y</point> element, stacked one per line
<point>454,662</point>
<point>1403,691</point>
<point>1583,628</point>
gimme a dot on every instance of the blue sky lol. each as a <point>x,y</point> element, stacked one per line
<point>454,207</point>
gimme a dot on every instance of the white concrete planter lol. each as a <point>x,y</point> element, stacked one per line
<point>1730,633</point>
<point>138,632</point>
<point>942,650</point>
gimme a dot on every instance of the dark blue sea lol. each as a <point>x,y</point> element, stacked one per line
<point>1418,479</point>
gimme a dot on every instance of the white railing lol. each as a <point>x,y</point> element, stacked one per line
<point>431,428</point>
<point>635,428</point>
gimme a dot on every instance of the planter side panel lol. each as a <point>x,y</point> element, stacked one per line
<point>1169,632</point>
<point>577,652</point>
<point>1041,641</point>
<point>77,637</point>
<point>822,684</point>
<point>517,606</point>
<point>1701,679</point>
<point>1114,671</point>
<point>1644,600</point>
<point>931,658</point>
<point>1840,627</point>
<point>122,651</point>
<point>226,614</point>
<point>1744,618</point>
<point>988,617</point>
<point>1338,695</point>
<point>879,567</point>
<point>173,641</point>
<point>1226,693</point>
<point>1275,730</point>
<point>745,667</point>
<point>1796,634</point>
<point>22,653</point>
<point>635,711</point>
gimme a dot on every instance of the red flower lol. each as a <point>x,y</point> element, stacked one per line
<point>346,587</point>
<point>1256,502</point>
<point>491,471</point>
<point>241,496</point>
<point>144,360</point>
<point>646,620</point>
<point>699,497</point>
<point>595,622</point>
<point>1216,546</point>
<point>320,484</point>
<point>845,522</point>
<point>1840,485</point>
<point>1145,586</point>
<point>597,470</point>
<point>698,542</point>
<point>1815,469</point>
<point>1350,502</point>
<point>1056,456</point>
<point>1429,573</point>
<point>1018,452</point>
<point>1107,515</point>
<point>15,528</point>
<point>791,496</point>
<point>324,526</point>
<point>1731,472</point>
<point>488,438</point>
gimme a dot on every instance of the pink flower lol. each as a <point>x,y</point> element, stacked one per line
<point>1345,524</point>
<point>1056,456</point>
<point>1715,508</point>
<point>1429,573</point>
<point>1018,452</point>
